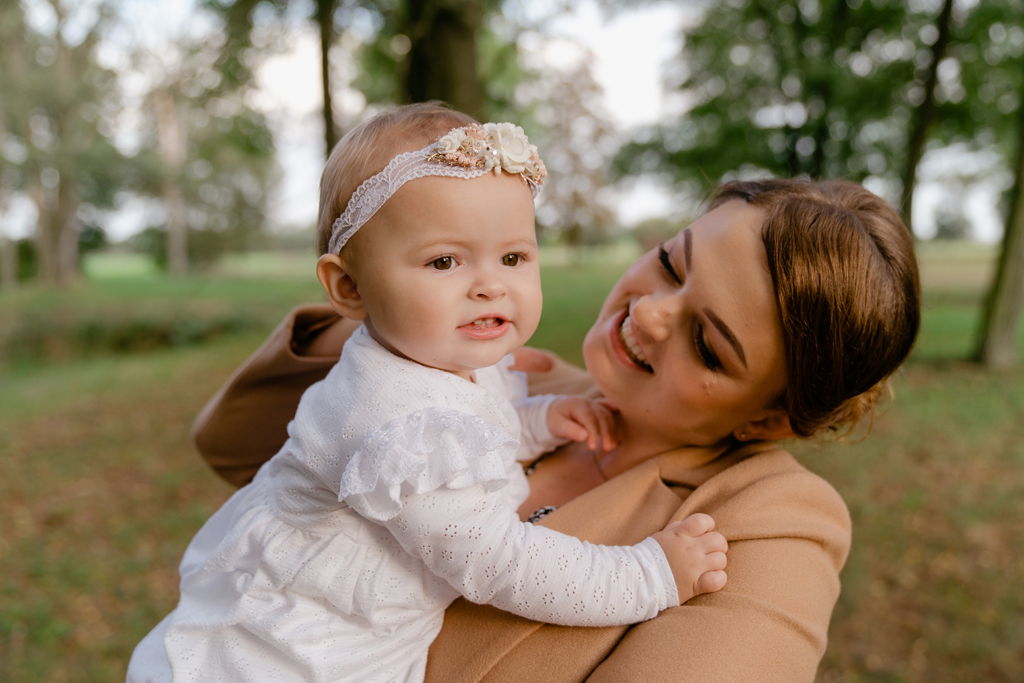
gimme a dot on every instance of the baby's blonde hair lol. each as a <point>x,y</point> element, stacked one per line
<point>367,148</point>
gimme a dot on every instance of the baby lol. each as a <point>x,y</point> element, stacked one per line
<point>397,489</point>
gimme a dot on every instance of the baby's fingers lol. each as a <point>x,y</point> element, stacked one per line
<point>588,420</point>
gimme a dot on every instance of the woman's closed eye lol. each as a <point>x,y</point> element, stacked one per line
<point>707,355</point>
<point>666,264</point>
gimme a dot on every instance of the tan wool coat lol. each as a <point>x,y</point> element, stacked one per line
<point>788,533</point>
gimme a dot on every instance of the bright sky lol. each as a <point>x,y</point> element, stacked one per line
<point>630,51</point>
<point>631,79</point>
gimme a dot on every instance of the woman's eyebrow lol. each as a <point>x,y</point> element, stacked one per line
<point>727,333</point>
<point>715,320</point>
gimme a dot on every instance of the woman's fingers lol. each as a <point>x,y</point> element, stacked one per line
<point>531,360</point>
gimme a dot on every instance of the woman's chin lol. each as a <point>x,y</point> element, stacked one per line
<point>590,352</point>
<point>596,361</point>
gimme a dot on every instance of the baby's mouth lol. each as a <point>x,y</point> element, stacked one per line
<point>484,323</point>
<point>631,345</point>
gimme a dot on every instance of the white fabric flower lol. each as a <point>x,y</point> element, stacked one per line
<point>510,143</point>
<point>451,141</point>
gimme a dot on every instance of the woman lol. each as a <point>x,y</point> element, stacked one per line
<point>781,312</point>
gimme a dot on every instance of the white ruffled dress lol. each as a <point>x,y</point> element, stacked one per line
<point>395,493</point>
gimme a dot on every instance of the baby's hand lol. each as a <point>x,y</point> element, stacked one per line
<point>696,555</point>
<point>583,419</point>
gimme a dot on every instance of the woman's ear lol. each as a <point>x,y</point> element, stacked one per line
<point>342,290</point>
<point>772,425</point>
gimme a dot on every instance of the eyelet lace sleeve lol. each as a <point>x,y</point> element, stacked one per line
<point>475,542</point>
<point>423,451</point>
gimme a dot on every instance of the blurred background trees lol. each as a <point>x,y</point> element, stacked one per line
<point>94,117</point>
<point>58,146</point>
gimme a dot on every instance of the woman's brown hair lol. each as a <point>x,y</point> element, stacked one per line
<point>846,284</point>
<point>368,147</point>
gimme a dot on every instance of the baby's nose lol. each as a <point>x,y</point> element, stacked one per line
<point>487,288</point>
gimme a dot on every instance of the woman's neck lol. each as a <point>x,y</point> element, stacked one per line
<point>635,446</point>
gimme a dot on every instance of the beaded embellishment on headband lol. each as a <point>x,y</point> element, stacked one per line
<point>466,152</point>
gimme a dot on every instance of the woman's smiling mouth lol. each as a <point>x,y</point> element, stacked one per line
<point>631,346</point>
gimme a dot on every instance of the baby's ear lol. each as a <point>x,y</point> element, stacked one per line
<point>338,281</point>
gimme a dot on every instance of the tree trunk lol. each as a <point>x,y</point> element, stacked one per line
<point>997,342</point>
<point>56,239</point>
<point>8,264</point>
<point>45,237</point>
<point>66,219</point>
<point>442,59</point>
<point>171,145</point>
<point>8,248</point>
<point>923,116</point>
<point>837,25</point>
<point>177,228</point>
<point>325,21</point>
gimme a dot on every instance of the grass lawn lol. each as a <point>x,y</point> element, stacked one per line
<point>101,489</point>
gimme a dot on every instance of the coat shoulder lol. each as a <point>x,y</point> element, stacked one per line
<point>770,494</point>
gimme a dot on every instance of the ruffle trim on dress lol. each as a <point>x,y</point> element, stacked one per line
<point>424,451</point>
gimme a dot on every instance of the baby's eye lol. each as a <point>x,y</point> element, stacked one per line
<point>511,260</point>
<point>443,263</point>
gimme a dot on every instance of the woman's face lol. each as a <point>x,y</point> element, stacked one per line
<point>688,344</point>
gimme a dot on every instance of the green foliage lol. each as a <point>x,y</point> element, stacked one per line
<point>28,264</point>
<point>205,247</point>
<point>57,120</point>
<point>118,313</point>
<point>822,89</point>
<point>951,223</point>
<point>384,58</point>
<point>220,167</point>
<point>236,62</point>
<point>980,103</point>
<point>91,238</point>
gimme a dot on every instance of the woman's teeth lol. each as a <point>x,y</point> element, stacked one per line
<point>632,347</point>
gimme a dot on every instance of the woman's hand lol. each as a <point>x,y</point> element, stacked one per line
<point>324,338</point>
<point>531,360</point>
<point>696,554</point>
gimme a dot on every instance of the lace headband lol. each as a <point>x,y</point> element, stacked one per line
<point>466,152</point>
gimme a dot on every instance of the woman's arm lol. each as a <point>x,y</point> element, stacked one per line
<point>246,421</point>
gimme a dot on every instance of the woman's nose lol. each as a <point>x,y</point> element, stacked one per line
<point>657,315</point>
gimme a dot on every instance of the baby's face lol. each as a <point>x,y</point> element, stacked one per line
<point>448,271</point>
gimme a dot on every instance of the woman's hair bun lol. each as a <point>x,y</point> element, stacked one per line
<point>846,285</point>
